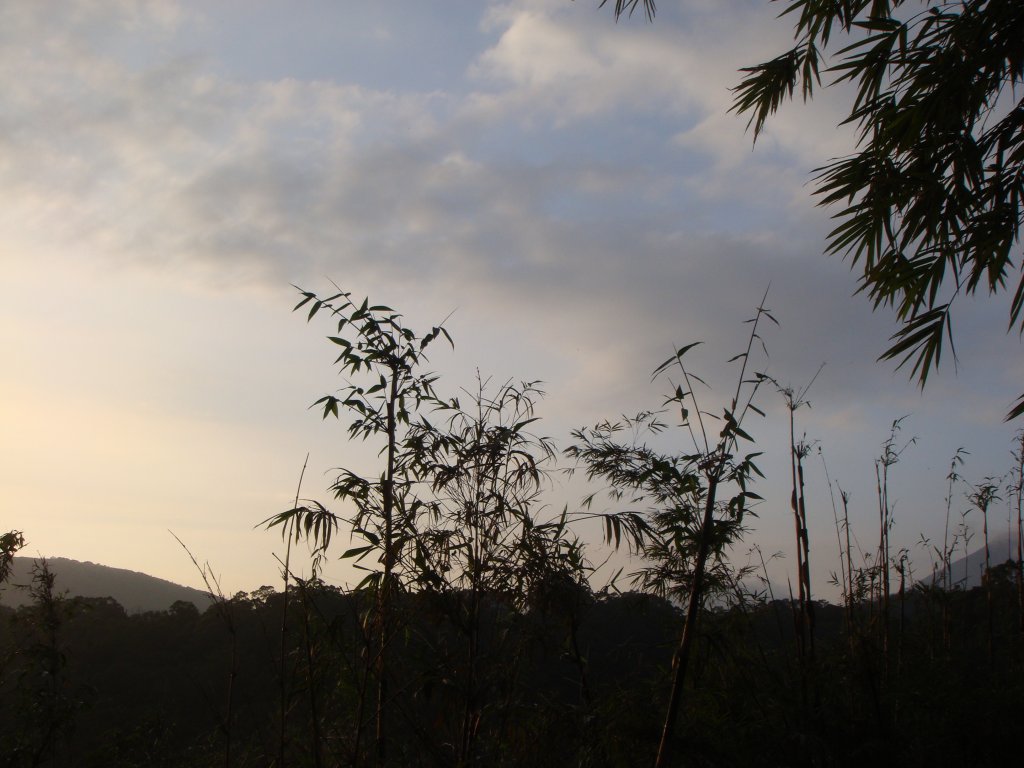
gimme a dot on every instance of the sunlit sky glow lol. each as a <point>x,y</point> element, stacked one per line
<point>575,190</point>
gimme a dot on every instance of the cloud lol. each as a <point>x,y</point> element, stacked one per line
<point>564,65</point>
<point>167,164</point>
<point>588,179</point>
<point>589,165</point>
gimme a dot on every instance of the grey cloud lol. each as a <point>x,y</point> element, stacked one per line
<point>286,181</point>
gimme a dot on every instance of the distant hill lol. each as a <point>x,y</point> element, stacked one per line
<point>967,570</point>
<point>136,592</point>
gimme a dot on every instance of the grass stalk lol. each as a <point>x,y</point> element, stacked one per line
<point>681,658</point>
<point>844,583</point>
<point>844,497</point>
<point>223,607</point>
<point>981,498</point>
<point>1017,491</point>
<point>715,465</point>
<point>283,672</point>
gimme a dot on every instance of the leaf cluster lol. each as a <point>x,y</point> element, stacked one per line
<point>374,341</point>
<point>386,389</point>
<point>932,200</point>
<point>675,489</point>
<point>459,508</point>
<point>10,543</point>
<point>482,531</point>
<point>627,7</point>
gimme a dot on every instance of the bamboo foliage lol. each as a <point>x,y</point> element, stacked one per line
<point>798,451</point>
<point>690,514</point>
<point>454,513</point>
<point>481,543</point>
<point>374,345</point>
<point>890,456</point>
<point>1017,491</point>
<point>981,497</point>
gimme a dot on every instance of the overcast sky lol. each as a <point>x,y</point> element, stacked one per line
<point>573,189</point>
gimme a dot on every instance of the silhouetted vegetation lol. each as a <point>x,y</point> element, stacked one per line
<point>477,636</point>
<point>569,678</point>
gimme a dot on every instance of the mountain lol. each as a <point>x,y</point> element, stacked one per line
<point>136,592</point>
<point>967,571</point>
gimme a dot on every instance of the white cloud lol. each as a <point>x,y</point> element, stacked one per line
<point>560,65</point>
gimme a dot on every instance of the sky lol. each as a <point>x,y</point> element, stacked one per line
<point>570,192</point>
